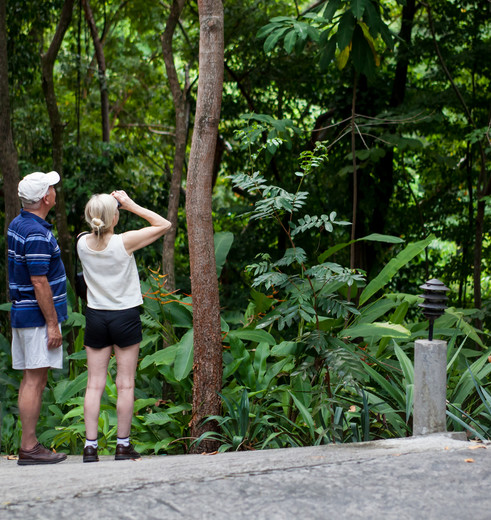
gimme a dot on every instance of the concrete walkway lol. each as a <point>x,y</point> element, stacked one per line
<point>431,477</point>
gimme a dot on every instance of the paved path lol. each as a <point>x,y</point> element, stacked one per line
<point>432,477</point>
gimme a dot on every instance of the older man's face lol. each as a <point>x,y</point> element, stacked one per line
<point>51,197</point>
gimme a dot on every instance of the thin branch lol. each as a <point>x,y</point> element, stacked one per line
<point>444,65</point>
<point>361,135</point>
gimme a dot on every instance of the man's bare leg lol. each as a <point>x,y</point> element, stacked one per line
<point>30,399</point>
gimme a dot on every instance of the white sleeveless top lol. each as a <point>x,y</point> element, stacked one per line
<point>111,275</point>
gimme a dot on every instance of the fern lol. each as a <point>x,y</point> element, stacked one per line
<point>328,272</point>
<point>323,222</point>
<point>249,183</point>
<point>271,279</point>
<point>336,308</point>
<point>338,357</point>
<point>276,201</point>
<point>150,322</point>
<point>291,256</point>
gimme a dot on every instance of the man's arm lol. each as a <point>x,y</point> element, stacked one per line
<point>44,297</point>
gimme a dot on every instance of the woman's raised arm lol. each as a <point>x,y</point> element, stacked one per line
<point>138,238</point>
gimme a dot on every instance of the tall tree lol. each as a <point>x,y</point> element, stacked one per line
<point>181,107</point>
<point>204,283</point>
<point>57,129</point>
<point>101,62</point>
<point>9,166</point>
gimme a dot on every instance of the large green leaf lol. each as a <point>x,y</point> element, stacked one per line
<point>260,361</point>
<point>223,242</point>
<point>406,365</point>
<point>465,327</point>
<point>376,329</point>
<point>481,369</point>
<point>345,30</point>
<point>259,336</point>
<point>165,356</point>
<point>284,348</point>
<point>388,272</point>
<point>178,313</point>
<point>331,7</point>
<point>397,317</point>
<point>159,418</point>
<point>184,357</point>
<point>374,237</point>
<point>391,390</point>
<point>358,8</point>
<point>273,38</point>
<point>362,55</point>
<point>4,344</point>
<point>66,389</point>
<point>306,416</point>
<point>374,311</point>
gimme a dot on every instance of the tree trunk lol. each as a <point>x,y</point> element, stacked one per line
<point>405,35</point>
<point>355,178</point>
<point>101,62</point>
<point>204,283</point>
<point>181,106</point>
<point>381,185</point>
<point>57,129</point>
<point>108,24</point>
<point>9,166</point>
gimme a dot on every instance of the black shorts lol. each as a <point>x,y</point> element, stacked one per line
<point>107,328</point>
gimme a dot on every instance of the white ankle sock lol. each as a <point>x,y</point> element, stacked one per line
<point>125,441</point>
<point>93,444</point>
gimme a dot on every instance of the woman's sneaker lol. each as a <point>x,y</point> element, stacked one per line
<point>126,452</point>
<point>90,454</point>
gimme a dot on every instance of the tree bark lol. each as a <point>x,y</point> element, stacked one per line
<point>181,106</point>
<point>57,130</point>
<point>9,165</point>
<point>204,283</point>
<point>405,35</point>
<point>101,62</point>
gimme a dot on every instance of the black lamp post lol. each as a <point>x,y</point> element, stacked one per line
<point>434,304</point>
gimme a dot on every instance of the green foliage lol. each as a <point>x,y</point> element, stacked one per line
<point>318,363</point>
<point>351,27</point>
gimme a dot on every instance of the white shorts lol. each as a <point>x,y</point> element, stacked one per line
<point>30,349</point>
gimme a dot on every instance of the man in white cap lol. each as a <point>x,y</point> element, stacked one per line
<point>37,285</point>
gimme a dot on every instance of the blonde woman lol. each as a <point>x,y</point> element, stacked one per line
<point>112,313</point>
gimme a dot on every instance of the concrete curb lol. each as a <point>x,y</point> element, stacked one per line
<point>194,483</point>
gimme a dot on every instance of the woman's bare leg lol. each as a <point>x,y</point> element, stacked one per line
<point>127,360</point>
<point>97,363</point>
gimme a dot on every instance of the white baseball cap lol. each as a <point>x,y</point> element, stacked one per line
<point>33,187</point>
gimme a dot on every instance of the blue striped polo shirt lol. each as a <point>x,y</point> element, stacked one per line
<point>33,251</point>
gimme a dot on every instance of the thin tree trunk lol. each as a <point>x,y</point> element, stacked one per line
<point>9,166</point>
<point>57,129</point>
<point>101,62</point>
<point>355,176</point>
<point>204,283</point>
<point>380,186</point>
<point>108,25</point>
<point>405,35</point>
<point>181,106</point>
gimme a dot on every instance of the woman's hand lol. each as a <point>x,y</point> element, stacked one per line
<point>122,198</point>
